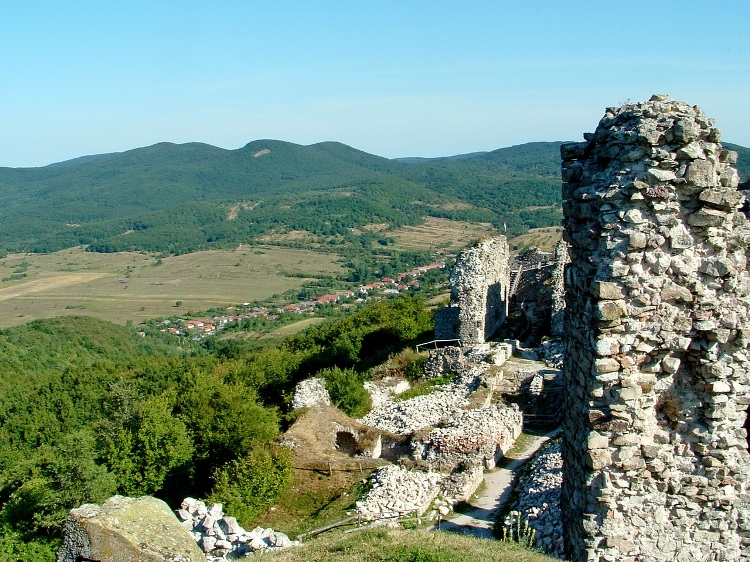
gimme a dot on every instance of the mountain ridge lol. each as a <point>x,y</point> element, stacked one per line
<point>175,198</point>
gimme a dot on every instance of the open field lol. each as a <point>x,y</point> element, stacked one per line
<point>543,238</point>
<point>440,233</point>
<point>291,329</point>
<point>139,286</point>
<point>134,286</point>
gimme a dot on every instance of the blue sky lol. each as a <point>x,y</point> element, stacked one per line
<point>408,78</point>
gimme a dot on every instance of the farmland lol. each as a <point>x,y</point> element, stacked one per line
<point>440,233</point>
<point>131,286</point>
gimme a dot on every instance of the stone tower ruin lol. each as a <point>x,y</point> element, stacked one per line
<point>479,293</point>
<point>657,327</point>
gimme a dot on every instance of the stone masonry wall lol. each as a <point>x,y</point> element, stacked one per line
<point>656,465</point>
<point>479,293</point>
<point>557,315</point>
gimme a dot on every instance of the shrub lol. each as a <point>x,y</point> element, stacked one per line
<point>346,391</point>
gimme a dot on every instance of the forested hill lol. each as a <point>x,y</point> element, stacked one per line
<point>180,198</point>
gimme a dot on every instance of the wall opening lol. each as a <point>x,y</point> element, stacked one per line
<point>346,442</point>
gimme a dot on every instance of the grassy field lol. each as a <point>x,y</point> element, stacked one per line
<point>440,233</point>
<point>391,545</point>
<point>138,286</point>
<point>543,238</point>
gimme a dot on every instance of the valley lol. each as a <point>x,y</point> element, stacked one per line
<point>132,286</point>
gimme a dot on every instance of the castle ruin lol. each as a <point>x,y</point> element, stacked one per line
<point>656,465</point>
<point>480,282</point>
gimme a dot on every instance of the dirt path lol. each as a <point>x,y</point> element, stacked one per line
<point>480,518</point>
<point>39,285</point>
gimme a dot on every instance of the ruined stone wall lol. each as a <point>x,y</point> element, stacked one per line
<point>656,465</point>
<point>479,293</point>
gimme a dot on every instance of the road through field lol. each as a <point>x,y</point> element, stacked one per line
<point>46,284</point>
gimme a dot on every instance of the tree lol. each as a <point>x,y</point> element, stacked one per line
<point>54,481</point>
<point>347,391</point>
<point>141,441</point>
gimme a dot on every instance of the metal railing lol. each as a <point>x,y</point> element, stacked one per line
<point>366,523</point>
<point>361,464</point>
<point>434,344</point>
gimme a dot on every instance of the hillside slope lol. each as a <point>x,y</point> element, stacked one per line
<point>180,198</point>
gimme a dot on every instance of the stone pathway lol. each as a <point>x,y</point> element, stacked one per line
<point>479,519</point>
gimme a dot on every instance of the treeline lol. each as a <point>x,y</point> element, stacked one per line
<point>89,409</point>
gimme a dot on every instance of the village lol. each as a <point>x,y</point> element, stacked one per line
<point>387,287</point>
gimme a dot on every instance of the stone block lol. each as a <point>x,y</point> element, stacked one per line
<point>674,292</point>
<point>720,387</point>
<point>609,311</point>
<point>599,458</point>
<point>707,217</point>
<point>607,365</point>
<point>127,530</point>
<point>608,290</point>
<point>701,173</point>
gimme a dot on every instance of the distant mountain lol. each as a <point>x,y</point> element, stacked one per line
<point>174,198</point>
<point>82,159</point>
<point>180,198</point>
<point>419,159</point>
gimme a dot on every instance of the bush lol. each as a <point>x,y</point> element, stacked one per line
<point>346,391</point>
<point>250,484</point>
<point>414,369</point>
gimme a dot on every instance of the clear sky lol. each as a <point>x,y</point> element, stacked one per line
<point>393,78</point>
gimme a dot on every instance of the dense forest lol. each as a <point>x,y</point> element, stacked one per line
<point>89,409</point>
<point>181,198</point>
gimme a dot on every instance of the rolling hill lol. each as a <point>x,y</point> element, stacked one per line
<point>175,199</point>
<point>180,198</point>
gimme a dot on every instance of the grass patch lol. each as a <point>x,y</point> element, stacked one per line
<point>315,499</point>
<point>542,238</point>
<point>423,387</point>
<point>393,545</point>
<point>524,441</point>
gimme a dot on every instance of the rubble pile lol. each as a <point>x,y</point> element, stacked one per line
<point>539,490</point>
<point>397,491</point>
<point>310,392</point>
<point>221,537</point>
<point>427,410</point>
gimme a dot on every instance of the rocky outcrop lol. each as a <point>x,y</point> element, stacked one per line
<point>221,537</point>
<point>127,530</point>
<point>480,282</point>
<point>656,465</point>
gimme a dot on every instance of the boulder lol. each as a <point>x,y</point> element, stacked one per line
<point>127,530</point>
